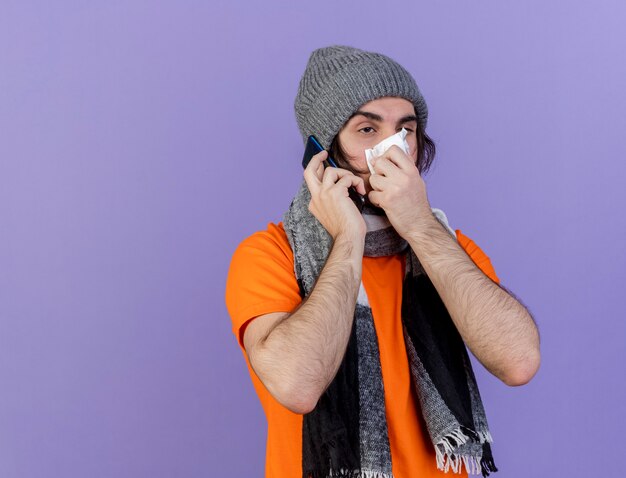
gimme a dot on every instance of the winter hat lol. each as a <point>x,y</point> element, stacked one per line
<point>339,79</point>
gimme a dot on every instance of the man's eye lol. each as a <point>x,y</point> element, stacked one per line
<point>367,127</point>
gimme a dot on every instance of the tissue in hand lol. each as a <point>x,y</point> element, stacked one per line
<point>397,139</point>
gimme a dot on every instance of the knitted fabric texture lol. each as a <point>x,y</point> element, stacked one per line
<point>346,433</point>
<point>339,79</point>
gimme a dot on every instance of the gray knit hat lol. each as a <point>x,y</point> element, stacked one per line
<point>339,79</point>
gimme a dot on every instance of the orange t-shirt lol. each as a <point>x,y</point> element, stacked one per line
<point>261,280</point>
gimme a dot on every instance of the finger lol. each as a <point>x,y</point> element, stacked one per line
<point>331,175</point>
<point>385,166</point>
<point>398,157</point>
<point>375,197</point>
<point>317,163</point>
<point>379,182</point>
<point>314,171</point>
<point>360,186</point>
<point>348,181</point>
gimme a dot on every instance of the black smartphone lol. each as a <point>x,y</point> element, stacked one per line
<point>312,148</point>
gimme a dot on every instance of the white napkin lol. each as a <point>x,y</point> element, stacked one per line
<point>384,145</point>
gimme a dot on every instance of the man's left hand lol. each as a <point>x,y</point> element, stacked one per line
<point>399,189</point>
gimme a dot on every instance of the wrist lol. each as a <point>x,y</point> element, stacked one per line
<point>353,244</point>
<point>355,237</point>
<point>424,228</point>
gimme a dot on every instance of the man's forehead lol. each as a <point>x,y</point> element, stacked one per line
<point>386,108</point>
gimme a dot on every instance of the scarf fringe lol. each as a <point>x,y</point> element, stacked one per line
<point>484,435</point>
<point>447,459</point>
<point>344,473</point>
<point>449,443</point>
<point>487,466</point>
<point>456,462</point>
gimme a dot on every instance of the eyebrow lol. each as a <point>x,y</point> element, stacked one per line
<point>376,117</point>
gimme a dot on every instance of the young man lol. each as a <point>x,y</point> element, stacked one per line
<point>354,325</point>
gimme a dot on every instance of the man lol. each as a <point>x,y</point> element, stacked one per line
<point>354,325</point>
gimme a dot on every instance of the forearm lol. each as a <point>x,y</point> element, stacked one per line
<point>495,326</point>
<point>302,353</point>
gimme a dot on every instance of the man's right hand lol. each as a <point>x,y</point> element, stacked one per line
<point>330,202</point>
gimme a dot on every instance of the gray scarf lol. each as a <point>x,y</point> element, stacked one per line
<point>346,433</point>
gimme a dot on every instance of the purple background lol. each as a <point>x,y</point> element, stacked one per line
<point>141,141</point>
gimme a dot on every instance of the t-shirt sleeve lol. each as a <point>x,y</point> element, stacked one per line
<point>481,260</point>
<point>261,279</point>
